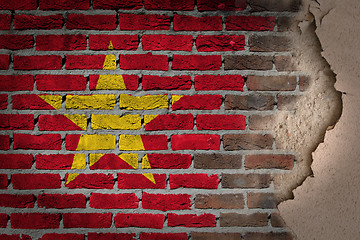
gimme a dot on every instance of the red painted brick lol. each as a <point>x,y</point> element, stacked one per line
<point>196,62</point>
<point>4,61</point>
<point>169,161</point>
<point>166,202</point>
<point>16,42</point>
<point>111,236</point>
<point>64,236</point>
<point>269,161</point>
<point>190,23</point>
<point>14,237</point>
<point>64,4</point>
<point>61,201</point>
<point>52,62</point>
<point>4,142</point>
<point>36,181</point>
<point>175,5</point>
<point>16,83</point>
<point>134,181</point>
<point>23,22</point>
<point>171,122</point>
<point>4,182</point>
<point>17,201</point>
<point>116,4</point>
<point>114,201</point>
<point>167,42</point>
<point>196,180</point>
<point>61,82</point>
<point>191,220</point>
<point>150,82</point>
<point>163,236</point>
<point>85,61</point>
<point>131,81</point>
<point>228,5</point>
<point>56,123</point>
<point>144,22</point>
<point>35,220</point>
<point>155,142</point>
<point>219,82</point>
<point>91,181</point>
<point>30,101</point>
<point>220,122</point>
<point>16,122</point>
<point>91,22</point>
<point>118,42</point>
<point>5,21</point>
<point>195,142</point>
<point>87,220</point>
<point>144,220</point>
<point>54,161</point>
<point>18,5</point>
<point>144,62</point>
<point>37,142</point>
<point>3,100</point>
<point>198,102</point>
<point>110,161</point>
<point>60,42</point>
<point>16,161</point>
<point>250,23</point>
<point>211,43</point>
<point>4,218</point>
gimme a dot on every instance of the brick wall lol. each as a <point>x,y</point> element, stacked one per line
<point>144,119</point>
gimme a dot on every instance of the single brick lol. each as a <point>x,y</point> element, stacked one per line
<point>166,161</point>
<point>151,82</point>
<point>245,181</point>
<point>124,122</point>
<point>87,220</point>
<point>195,142</point>
<point>144,220</point>
<point>113,161</point>
<point>146,102</point>
<point>250,23</point>
<point>141,181</point>
<point>277,221</point>
<point>196,180</point>
<point>99,102</point>
<point>196,62</point>
<point>103,62</point>
<point>217,161</point>
<point>17,201</point>
<point>16,83</point>
<point>262,200</point>
<point>259,122</point>
<point>129,21</point>
<point>271,83</point>
<point>110,236</point>
<point>5,21</point>
<point>169,122</point>
<point>4,142</point>
<point>228,5</point>
<point>220,122</point>
<point>4,182</point>
<point>285,63</point>
<point>269,43</point>
<point>36,102</point>
<point>64,4</point>
<point>213,43</point>
<point>60,42</point>
<point>62,236</point>
<point>3,100</point>
<point>62,122</point>
<point>14,237</point>
<point>114,201</point>
<point>219,201</point>
<point>143,142</point>
<point>4,218</point>
<point>287,24</point>
<point>89,181</point>
<point>90,142</point>
<point>288,102</point>
<point>167,42</point>
<point>259,102</point>
<point>243,220</point>
<point>116,4</point>
<point>196,102</point>
<point>4,61</point>
<point>163,236</point>
<point>50,62</point>
<point>268,236</point>
<point>234,142</point>
<point>16,161</point>
<point>61,201</point>
<point>18,5</point>
<point>114,82</point>
<point>215,236</point>
<point>36,181</point>
<point>37,142</point>
<point>304,83</point>
<point>91,22</point>
<point>274,6</point>
<point>191,220</point>
<point>269,161</point>
<point>23,22</point>
<point>166,202</point>
<point>113,42</point>
<point>16,121</point>
<point>174,5</point>
<point>16,42</point>
<point>219,82</point>
<point>35,220</point>
<point>190,23</point>
<point>144,62</point>
<point>61,82</point>
<point>248,62</point>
